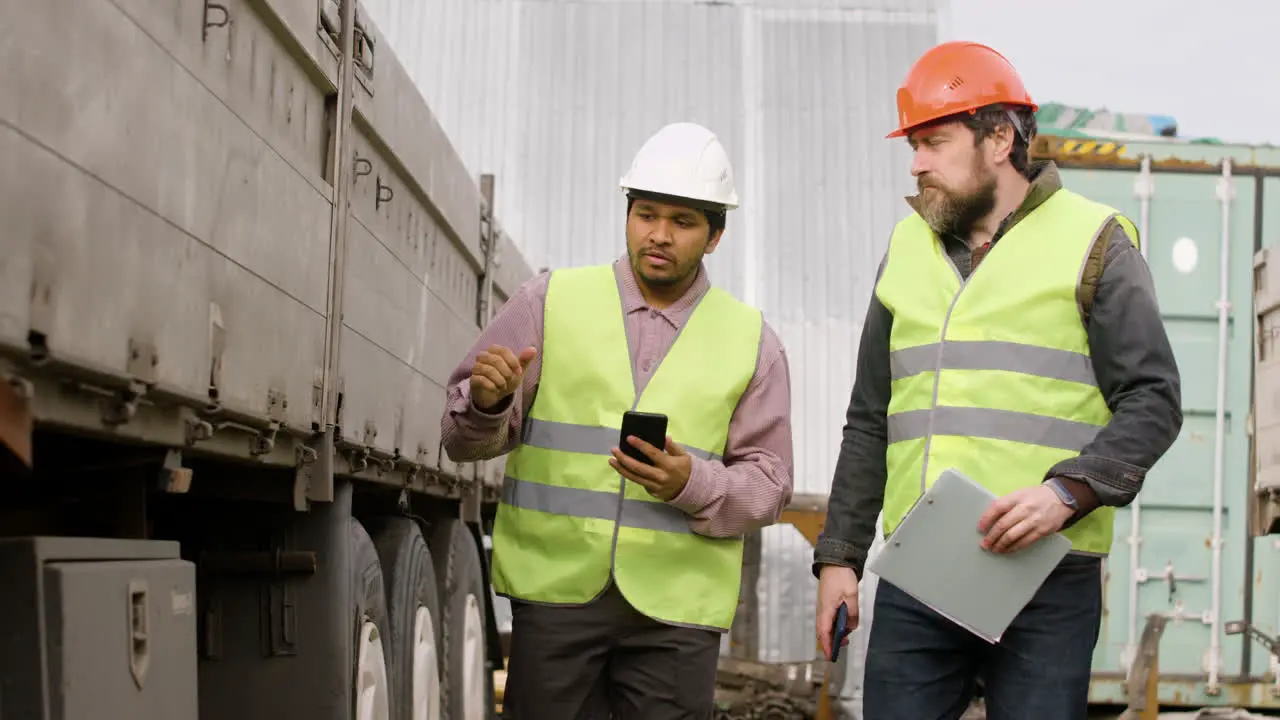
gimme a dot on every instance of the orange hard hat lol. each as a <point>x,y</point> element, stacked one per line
<point>957,77</point>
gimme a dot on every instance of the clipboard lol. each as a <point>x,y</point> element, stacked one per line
<point>934,556</point>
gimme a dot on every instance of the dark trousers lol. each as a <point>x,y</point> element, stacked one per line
<point>606,661</point>
<point>924,667</point>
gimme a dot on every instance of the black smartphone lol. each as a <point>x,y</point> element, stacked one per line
<point>649,427</point>
<point>839,631</point>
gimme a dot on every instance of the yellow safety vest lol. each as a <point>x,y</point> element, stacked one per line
<point>566,520</point>
<point>992,376</point>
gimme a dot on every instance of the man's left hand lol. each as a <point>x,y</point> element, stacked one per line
<point>665,478</point>
<point>1017,520</point>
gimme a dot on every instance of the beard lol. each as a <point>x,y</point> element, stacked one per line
<point>671,276</point>
<point>955,212</point>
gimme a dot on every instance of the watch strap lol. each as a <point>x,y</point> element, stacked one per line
<point>1063,493</point>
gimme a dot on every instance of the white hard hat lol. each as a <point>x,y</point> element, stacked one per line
<point>684,160</point>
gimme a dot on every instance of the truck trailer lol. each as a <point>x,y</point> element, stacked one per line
<point>239,260</point>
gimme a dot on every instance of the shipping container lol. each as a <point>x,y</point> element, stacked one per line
<point>1058,119</point>
<point>1184,549</point>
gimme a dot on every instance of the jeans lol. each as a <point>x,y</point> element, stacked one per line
<point>921,666</point>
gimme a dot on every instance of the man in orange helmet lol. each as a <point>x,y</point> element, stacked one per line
<point>1014,336</point>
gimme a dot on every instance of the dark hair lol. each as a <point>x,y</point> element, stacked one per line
<point>987,120</point>
<point>715,218</point>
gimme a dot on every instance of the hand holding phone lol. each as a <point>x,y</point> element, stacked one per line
<point>837,611</point>
<point>649,427</point>
<point>839,631</point>
<point>665,471</point>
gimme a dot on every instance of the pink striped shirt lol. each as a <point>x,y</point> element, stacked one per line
<point>744,492</point>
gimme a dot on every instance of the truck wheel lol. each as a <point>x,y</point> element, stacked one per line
<point>414,612</point>
<point>465,680</point>
<point>369,612</point>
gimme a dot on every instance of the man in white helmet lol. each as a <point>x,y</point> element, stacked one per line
<point>623,574</point>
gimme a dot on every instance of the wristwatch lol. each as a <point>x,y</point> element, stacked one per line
<point>1063,493</point>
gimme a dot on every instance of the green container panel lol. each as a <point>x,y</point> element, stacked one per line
<point>1271,211</point>
<point>1183,243</point>
<point>1266,577</point>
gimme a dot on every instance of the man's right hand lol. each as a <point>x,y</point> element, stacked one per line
<point>496,374</point>
<point>835,585</point>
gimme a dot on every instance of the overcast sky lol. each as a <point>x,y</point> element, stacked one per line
<point>1214,65</point>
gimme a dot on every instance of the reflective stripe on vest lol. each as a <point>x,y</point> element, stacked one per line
<point>992,376</point>
<point>582,438</point>
<point>567,522</point>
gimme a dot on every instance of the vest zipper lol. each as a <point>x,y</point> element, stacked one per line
<point>635,386</point>
<point>937,366</point>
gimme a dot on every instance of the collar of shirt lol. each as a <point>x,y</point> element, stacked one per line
<point>633,300</point>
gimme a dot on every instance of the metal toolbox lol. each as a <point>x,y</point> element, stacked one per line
<point>96,629</point>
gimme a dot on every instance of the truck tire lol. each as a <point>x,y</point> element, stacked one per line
<point>371,686</point>
<point>414,611</point>
<point>465,681</point>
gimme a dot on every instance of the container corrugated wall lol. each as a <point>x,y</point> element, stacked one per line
<point>554,97</point>
<point>1163,559</point>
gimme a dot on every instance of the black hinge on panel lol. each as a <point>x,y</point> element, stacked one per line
<point>279,613</point>
<point>331,20</point>
<point>280,619</point>
<point>141,366</point>
<point>211,632</point>
<point>364,47</point>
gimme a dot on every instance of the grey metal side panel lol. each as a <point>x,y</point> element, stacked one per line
<point>409,312</point>
<point>414,270</point>
<point>252,66</point>
<point>382,391</point>
<point>26,645</point>
<point>144,280</point>
<point>167,189</point>
<point>301,19</point>
<point>88,611</point>
<point>413,137</point>
<point>391,111</point>
<point>164,178</point>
